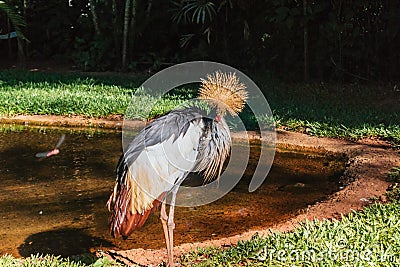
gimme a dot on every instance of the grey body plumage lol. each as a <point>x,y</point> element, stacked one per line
<point>214,144</point>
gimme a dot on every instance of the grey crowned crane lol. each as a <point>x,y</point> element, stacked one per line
<point>161,156</point>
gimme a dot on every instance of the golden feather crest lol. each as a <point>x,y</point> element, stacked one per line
<point>224,91</point>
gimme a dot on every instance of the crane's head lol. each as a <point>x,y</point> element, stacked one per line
<point>224,92</point>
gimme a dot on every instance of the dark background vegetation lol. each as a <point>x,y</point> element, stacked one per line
<point>335,40</point>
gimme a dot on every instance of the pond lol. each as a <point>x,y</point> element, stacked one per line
<point>57,205</point>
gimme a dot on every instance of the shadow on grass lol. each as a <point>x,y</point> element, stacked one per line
<point>13,77</point>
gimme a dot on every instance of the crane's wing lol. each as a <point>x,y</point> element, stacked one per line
<point>162,153</point>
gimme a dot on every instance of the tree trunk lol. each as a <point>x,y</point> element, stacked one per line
<point>23,42</point>
<point>305,36</point>
<point>10,51</point>
<point>21,52</point>
<point>148,9</point>
<point>125,33</point>
<point>132,26</point>
<point>116,31</point>
<point>94,16</point>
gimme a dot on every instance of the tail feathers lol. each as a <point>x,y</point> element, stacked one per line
<point>122,221</point>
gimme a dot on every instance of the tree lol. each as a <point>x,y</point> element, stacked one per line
<point>125,34</point>
<point>305,37</point>
<point>194,12</point>
<point>94,16</point>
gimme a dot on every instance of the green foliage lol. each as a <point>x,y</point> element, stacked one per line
<point>16,19</point>
<point>193,11</point>
<point>199,13</point>
<point>92,54</point>
<point>348,40</point>
<point>39,93</point>
<point>81,97</point>
<point>394,175</point>
<point>320,110</point>
<point>52,261</point>
<point>344,111</point>
<point>366,238</point>
<point>390,133</point>
<point>393,192</point>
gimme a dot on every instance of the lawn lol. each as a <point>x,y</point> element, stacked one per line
<point>367,238</point>
<point>345,111</point>
<point>73,94</point>
<point>55,261</point>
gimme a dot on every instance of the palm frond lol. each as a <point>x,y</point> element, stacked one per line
<point>186,39</point>
<point>193,11</point>
<point>17,20</point>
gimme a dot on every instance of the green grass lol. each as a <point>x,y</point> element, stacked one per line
<point>367,238</point>
<point>394,175</point>
<point>53,261</point>
<point>55,94</point>
<point>344,111</point>
<point>351,111</point>
<point>393,191</point>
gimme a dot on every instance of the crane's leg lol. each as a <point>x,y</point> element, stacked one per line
<point>171,226</point>
<point>168,221</point>
<point>164,220</point>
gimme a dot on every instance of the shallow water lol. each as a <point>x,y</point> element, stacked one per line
<point>57,205</point>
